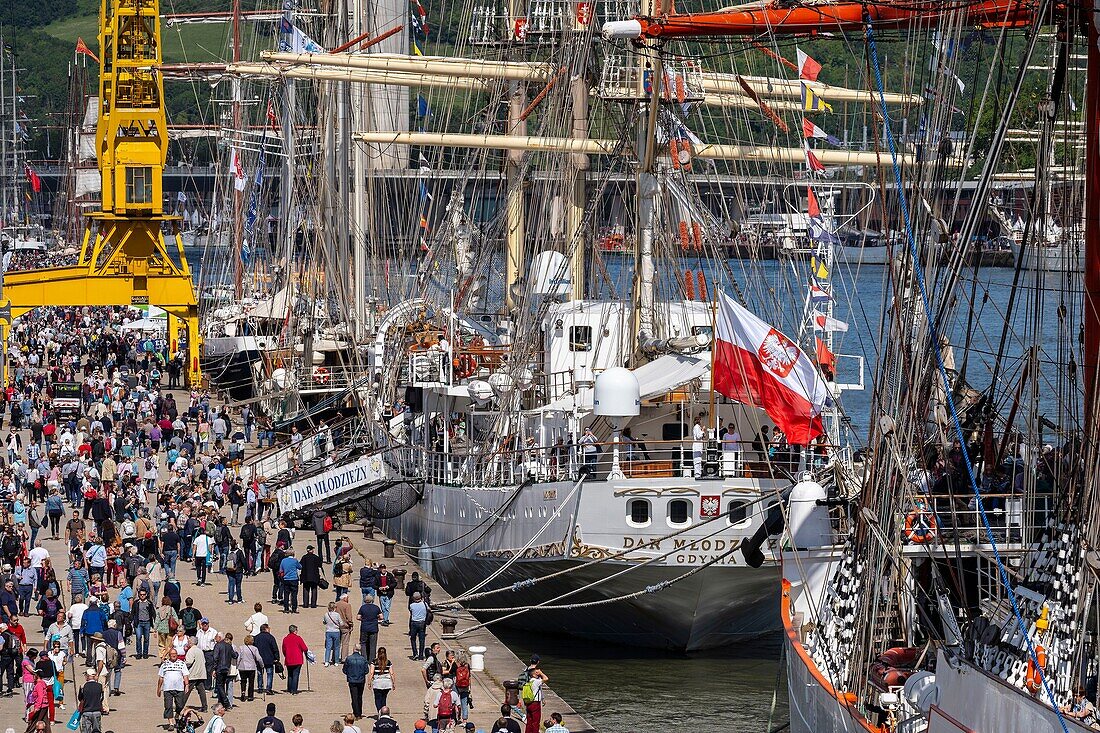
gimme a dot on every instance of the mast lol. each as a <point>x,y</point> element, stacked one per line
<point>4,172</point>
<point>1092,214</point>
<point>647,189</point>
<point>238,199</point>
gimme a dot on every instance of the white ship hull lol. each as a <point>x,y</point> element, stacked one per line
<point>1066,256</point>
<point>862,255</point>
<point>711,607</point>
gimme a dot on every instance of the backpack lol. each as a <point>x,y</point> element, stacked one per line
<point>446,704</point>
<point>10,544</point>
<point>462,677</point>
<point>527,694</point>
<point>112,656</point>
<point>231,561</point>
<point>327,523</point>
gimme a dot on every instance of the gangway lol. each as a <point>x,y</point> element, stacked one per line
<point>124,259</point>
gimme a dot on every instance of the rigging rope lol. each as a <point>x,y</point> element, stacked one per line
<point>949,397</point>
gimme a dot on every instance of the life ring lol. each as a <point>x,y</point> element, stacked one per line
<point>465,366</point>
<point>900,656</point>
<point>320,375</point>
<point>920,525</point>
<point>1034,680</point>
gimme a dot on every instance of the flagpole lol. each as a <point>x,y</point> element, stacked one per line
<point>713,357</point>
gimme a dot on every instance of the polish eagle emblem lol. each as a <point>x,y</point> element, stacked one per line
<point>710,506</point>
<point>778,353</point>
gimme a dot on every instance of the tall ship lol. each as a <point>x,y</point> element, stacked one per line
<point>483,325</point>
<point>946,581</point>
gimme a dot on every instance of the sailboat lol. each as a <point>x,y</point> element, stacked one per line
<point>490,324</point>
<point>947,581</point>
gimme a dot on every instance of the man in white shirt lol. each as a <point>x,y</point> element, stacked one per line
<point>253,623</point>
<point>38,554</point>
<point>216,724</point>
<point>76,615</point>
<point>731,452</point>
<point>172,684</point>
<point>698,435</point>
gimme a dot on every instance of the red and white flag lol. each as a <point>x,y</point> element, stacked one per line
<point>33,178</point>
<point>813,163</point>
<point>824,322</point>
<point>808,69</point>
<point>236,171</point>
<point>757,365</point>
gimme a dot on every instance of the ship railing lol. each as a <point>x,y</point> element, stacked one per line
<point>313,446</point>
<point>325,378</point>
<point>1015,518</point>
<point>460,463</point>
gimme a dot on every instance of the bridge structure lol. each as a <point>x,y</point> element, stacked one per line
<point>124,258</point>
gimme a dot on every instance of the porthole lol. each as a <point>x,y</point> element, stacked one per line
<point>679,512</point>
<point>737,511</point>
<point>638,513</point>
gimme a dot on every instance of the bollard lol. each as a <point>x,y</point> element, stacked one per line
<point>511,693</point>
<point>448,625</point>
<point>477,658</point>
<point>368,531</point>
<point>387,547</point>
<point>399,575</point>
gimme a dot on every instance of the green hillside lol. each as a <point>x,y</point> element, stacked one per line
<point>43,45</point>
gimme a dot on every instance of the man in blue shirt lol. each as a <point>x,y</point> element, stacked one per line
<point>355,669</point>
<point>369,616</point>
<point>94,621</point>
<point>289,569</point>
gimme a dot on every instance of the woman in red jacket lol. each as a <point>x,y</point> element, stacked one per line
<point>294,653</point>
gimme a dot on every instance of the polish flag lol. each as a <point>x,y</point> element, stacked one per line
<point>236,171</point>
<point>757,365</point>
<point>827,323</point>
<point>808,69</point>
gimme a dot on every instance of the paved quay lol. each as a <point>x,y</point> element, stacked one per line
<point>324,695</point>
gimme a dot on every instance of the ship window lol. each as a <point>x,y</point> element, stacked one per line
<point>637,512</point>
<point>580,338</point>
<point>139,185</point>
<point>679,511</point>
<point>737,511</point>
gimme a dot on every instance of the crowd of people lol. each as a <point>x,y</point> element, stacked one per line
<point>141,497</point>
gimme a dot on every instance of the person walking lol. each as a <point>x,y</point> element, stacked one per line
<point>312,572</point>
<point>165,625</point>
<point>201,550</point>
<point>289,570</point>
<point>225,656</point>
<point>90,703</point>
<point>172,685</point>
<point>387,585</point>
<point>418,625</point>
<point>446,705</point>
<point>531,694</point>
<point>197,674</point>
<point>334,625</point>
<point>347,618</point>
<point>322,525</point>
<point>142,612</point>
<point>249,663</point>
<point>268,647</point>
<point>356,671</point>
<point>380,678</point>
<point>462,685</point>
<point>294,652</point>
<point>369,615</point>
<point>38,704</point>
<point>235,563</point>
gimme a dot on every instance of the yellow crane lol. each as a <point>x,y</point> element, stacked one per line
<point>124,259</point>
